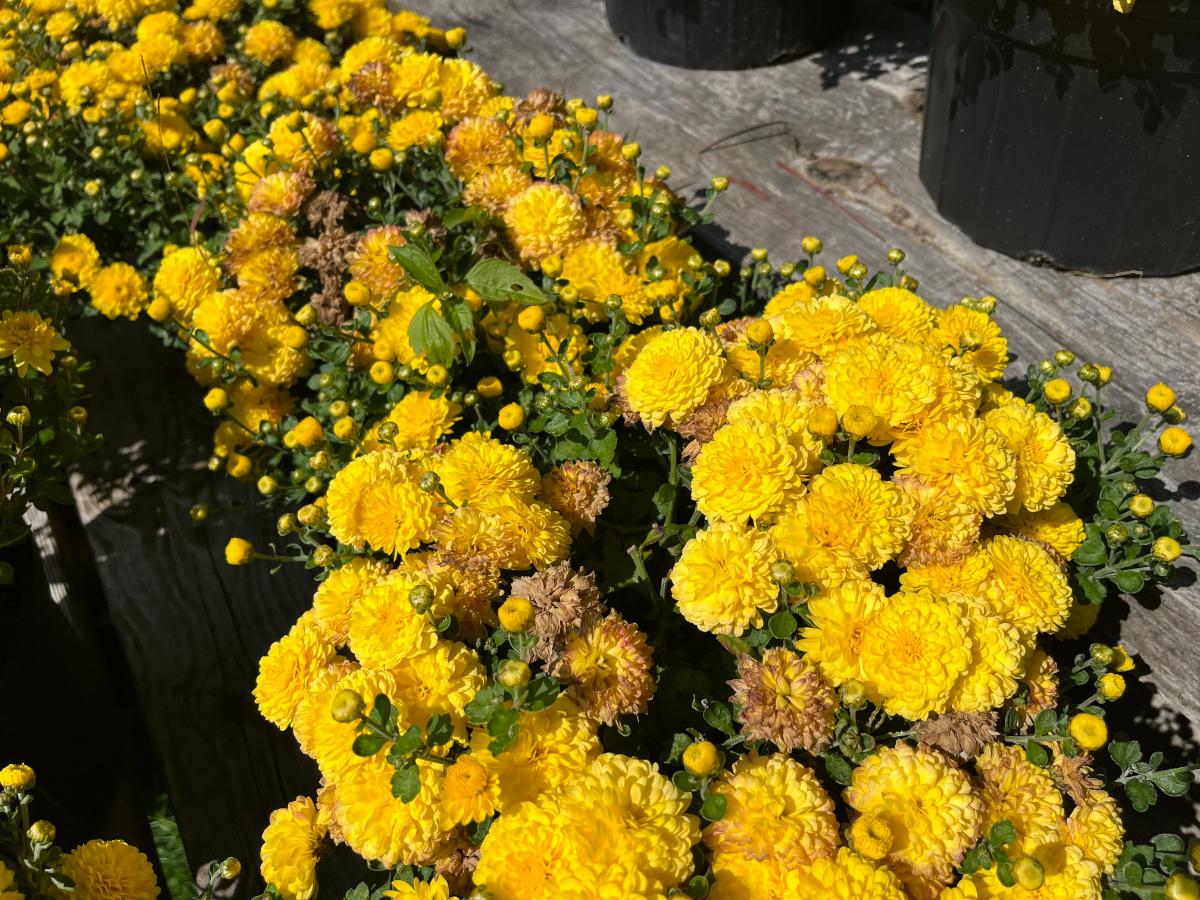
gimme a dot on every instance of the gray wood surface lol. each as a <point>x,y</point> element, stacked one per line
<point>828,145</point>
<point>834,153</point>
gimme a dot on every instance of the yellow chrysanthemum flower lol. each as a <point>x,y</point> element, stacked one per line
<point>1034,592</point>
<point>544,220</point>
<point>421,420</point>
<point>597,270</point>
<point>997,659</point>
<point>895,380</point>
<point>722,582</point>
<point>551,746</point>
<point>437,889</point>
<point>963,456</point>
<point>821,325</point>
<point>526,854</point>
<point>382,827</point>
<point>110,870</point>
<point>1015,790</point>
<point>1095,827</point>
<point>1057,527</point>
<point>975,337</point>
<point>632,819</point>
<point>777,812</point>
<point>371,263</point>
<point>269,41</point>
<point>1067,875</point>
<point>377,501</point>
<point>385,628</point>
<point>477,467</point>
<point>944,528</point>
<point>329,742</point>
<point>815,562</point>
<point>1045,460</point>
<point>30,340</point>
<point>74,262</point>
<point>470,792</point>
<point>929,807</point>
<point>673,374</point>
<point>847,876</point>
<point>787,408</point>
<point>610,670</point>
<point>184,279</point>
<point>119,290</point>
<point>899,312</point>
<point>334,599</point>
<point>852,509</point>
<point>291,844</point>
<point>441,681</point>
<point>841,618</point>
<point>288,668</point>
<point>914,650</point>
<point>749,470</point>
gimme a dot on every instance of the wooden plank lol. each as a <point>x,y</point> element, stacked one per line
<point>191,626</point>
<point>828,145</point>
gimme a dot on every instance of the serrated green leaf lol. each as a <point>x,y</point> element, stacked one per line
<point>431,336</point>
<point>409,742</point>
<point>501,282</point>
<point>419,266</point>
<point>838,768</point>
<point>1003,833</point>
<point>439,730</point>
<point>679,743</point>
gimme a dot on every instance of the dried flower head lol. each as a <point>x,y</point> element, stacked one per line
<point>783,699</point>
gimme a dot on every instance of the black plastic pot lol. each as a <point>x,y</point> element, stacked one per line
<point>1066,133</point>
<point>726,34</point>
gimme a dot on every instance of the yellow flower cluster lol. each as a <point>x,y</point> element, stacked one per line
<point>793,470</point>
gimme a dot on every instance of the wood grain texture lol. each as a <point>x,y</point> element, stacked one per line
<point>191,626</point>
<point>828,145</point>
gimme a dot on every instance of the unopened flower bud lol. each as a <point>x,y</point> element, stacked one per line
<point>702,759</point>
<point>1028,873</point>
<point>895,256</point>
<point>516,614</point>
<point>198,512</point>
<point>1064,357</point>
<point>853,694</point>
<point>348,706</point>
<point>783,572</point>
<point>42,832</point>
<point>421,598</point>
<point>513,674</point>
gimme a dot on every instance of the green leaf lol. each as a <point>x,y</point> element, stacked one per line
<point>1130,582</point>
<point>714,807</point>
<point>439,730</point>
<point>462,320</point>
<point>1167,843</point>
<point>368,744</point>
<point>686,781</point>
<point>838,768</point>
<point>1037,754</point>
<point>431,335</point>
<point>1003,833</point>
<point>503,726</point>
<point>486,702</point>
<point>783,624</point>
<point>420,267</point>
<point>719,717</point>
<point>697,887</point>
<point>409,742</point>
<point>1046,721</point>
<point>1125,753</point>
<point>1142,794</point>
<point>406,783</point>
<point>1173,782</point>
<point>360,892</point>
<point>542,691</point>
<point>498,281</point>
<point>679,743</point>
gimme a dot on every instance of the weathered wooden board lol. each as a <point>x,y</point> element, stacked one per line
<point>191,626</point>
<point>828,145</point>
